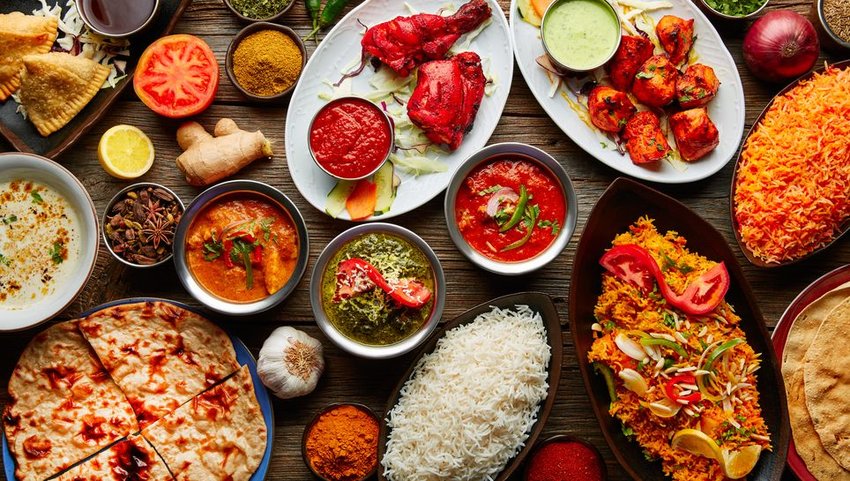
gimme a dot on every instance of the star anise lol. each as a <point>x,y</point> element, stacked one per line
<point>158,230</point>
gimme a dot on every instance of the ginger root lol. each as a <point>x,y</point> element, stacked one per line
<point>207,159</point>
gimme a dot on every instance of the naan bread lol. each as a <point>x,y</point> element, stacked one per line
<point>130,460</point>
<point>22,35</point>
<point>160,355</point>
<point>55,87</point>
<point>800,336</point>
<point>827,383</point>
<point>219,435</point>
<point>64,405</point>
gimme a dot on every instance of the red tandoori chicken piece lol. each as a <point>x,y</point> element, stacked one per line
<point>446,98</point>
<point>655,82</point>
<point>676,36</point>
<point>695,133</point>
<point>406,42</point>
<point>609,108</point>
<point>645,141</point>
<point>632,53</point>
<point>697,86</point>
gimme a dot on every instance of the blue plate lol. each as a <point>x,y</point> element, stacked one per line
<point>243,356</point>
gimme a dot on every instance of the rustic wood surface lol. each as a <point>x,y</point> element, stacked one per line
<point>369,382</point>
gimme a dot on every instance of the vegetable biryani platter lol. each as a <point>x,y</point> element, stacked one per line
<point>411,112</point>
<point>72,74</point>
<point>142,386</point>
<point>816,381</point>
<point>789,191</point>
<point>652,92</point>
<point>672,347</point>
<point>488,379</point>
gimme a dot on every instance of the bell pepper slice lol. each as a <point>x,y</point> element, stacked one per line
<point>608,375</point>
<point>519,212</point>
<point>652,341</point>
<point>719,350</point>
<point>532,221</point>
<point>686,378</point>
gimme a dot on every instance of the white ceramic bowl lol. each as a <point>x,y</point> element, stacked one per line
<point>39,169</point>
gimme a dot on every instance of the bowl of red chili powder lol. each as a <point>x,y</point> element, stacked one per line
<point>341,443</point>
<point>565,457</point>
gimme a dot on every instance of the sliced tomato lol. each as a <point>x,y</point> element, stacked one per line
<point>177,76</point>
<point>352,278</point>
<point>633,264</point>
<point>410,293</point>
<point>705,293</point>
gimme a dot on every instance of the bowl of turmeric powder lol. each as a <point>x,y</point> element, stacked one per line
<point>341,443</point>
<point>265,60</point>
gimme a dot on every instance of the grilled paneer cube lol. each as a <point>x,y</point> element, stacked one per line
<point>645,141</point>
<point>697,86</point>
<point>655,82</point>
<point>695,133</point>
<point>676,36</point>
<point>634,50</point>
<point>609,109</point>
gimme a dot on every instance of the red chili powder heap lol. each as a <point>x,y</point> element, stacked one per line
<point>564,460</point>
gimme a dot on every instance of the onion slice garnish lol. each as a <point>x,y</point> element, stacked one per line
<point>505,194</point>
<point>630,347</point>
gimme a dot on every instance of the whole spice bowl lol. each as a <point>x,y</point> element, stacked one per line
<point>341,443</point>
<point>729,10</point>
<point>139,224</point>
<point>832,21</point>
<point>249,11</point>
<point>265,61</point>
<point>564,456</point>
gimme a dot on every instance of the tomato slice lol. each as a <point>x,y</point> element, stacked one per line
<point>705,293</point>
<point>633,264</point>
<point>177,76</point>
<point>353,278</point>
<point>410,293</point>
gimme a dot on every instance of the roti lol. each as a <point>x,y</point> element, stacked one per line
<point>130,460</point>
<point>64,405</point>
<point>827,383</point>
<point>220,434</point>
<point>159,354</point>
<point>800,336</point>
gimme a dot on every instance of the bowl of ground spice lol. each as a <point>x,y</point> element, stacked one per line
<point>341,443</point>
<point>833,24</point>
<point>265,61</point>
<point>565,457</point>
<point>259,10</point>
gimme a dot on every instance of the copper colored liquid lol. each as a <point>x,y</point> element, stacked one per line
<point>117,17</point>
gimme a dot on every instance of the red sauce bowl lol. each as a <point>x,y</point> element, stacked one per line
<point>350,138</point>
<point>587,463</point>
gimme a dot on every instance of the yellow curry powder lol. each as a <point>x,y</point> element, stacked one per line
<point>266,63</point>
<point>343,444</point>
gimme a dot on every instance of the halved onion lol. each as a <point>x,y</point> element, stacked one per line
<point>633,381</point>
<point>630,347</point>
<point>663,408</point>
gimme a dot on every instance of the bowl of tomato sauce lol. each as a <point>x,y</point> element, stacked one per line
<point>511,208</point>
<point>350,138</point>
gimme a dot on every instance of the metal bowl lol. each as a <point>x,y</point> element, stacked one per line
<point>386,117</point>
<point>707,8</point>
<point>273,18</point>
<point>256,27</point>
<point>366,350</point>
<point>225,189</point>
<point>528,153</point>
<point>566,69</point>
<point>566,438</point>
<point>828,38</point>
<point>90,25</point>
<point>312,423</point>
<point>108,209</point>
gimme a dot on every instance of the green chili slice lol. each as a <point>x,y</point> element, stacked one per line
<point>606,373</point>
<point>519,212</point>
<point>532,220</point>
<point>652,341</point>
<point>719,350</point>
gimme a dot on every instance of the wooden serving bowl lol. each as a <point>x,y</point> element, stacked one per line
<point>538,302</point>
<point>843,228</point>
<point>619,207</point>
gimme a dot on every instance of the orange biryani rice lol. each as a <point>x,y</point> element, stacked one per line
<point>728,412</point>
<point>793,183</point>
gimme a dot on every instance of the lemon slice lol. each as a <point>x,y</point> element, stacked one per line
<point>697,442</point>
<point>739,463</point>
<point>125,152</point>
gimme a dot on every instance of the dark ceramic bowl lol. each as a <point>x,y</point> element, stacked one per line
<point>256,27</point>
<point>619,207</point>
<point>313,421</point>
<point>566,438</point>
<point>136,29</point>
<point>538,302</point>
<point>273,18</point>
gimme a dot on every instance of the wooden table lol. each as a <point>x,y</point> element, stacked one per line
<point>351,379</point>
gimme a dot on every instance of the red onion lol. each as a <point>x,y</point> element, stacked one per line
<point>505,194</point>
<point>780,46</point>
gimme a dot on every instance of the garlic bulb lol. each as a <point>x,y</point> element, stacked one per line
<point>290,363</point>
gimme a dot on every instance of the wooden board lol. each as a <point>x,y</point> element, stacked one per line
<point>370,382</point>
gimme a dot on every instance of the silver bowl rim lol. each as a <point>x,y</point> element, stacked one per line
<point>364,350</point>
<point>544,159</point>
<point>566,68</point>
<point>386,117</point>
<point>112,202</point>
<point>724,16</point>
<point>88,23</point>
<point>818,5</point>
<point>200,202</point>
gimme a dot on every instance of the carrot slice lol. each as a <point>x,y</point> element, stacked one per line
<point>540,6</point>
<point>361,203</point>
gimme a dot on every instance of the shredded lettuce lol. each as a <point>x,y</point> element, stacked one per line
<point>417,165</point>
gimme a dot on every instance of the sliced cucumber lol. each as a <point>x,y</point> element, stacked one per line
<point>337,197</point>
<point>386,188</point>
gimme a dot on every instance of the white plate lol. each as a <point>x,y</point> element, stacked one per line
<point>338,50</point>
<point>726,110</point>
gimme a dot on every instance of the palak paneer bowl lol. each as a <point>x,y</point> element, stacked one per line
<point>241,247</point>
<point>377,290</point>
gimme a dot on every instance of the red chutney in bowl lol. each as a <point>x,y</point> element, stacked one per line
<point>498,202</point>
<point>350,138</point>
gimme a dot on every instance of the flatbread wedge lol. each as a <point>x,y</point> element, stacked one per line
<point>159,354</point>
<point>22,35</point>
<point>130,460</point>
<point>800,336</point>
<point>64,405</point>
<point>56,86</point>
<point>219,435</point>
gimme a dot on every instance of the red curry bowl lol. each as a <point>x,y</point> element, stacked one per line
<point>565,438</point>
